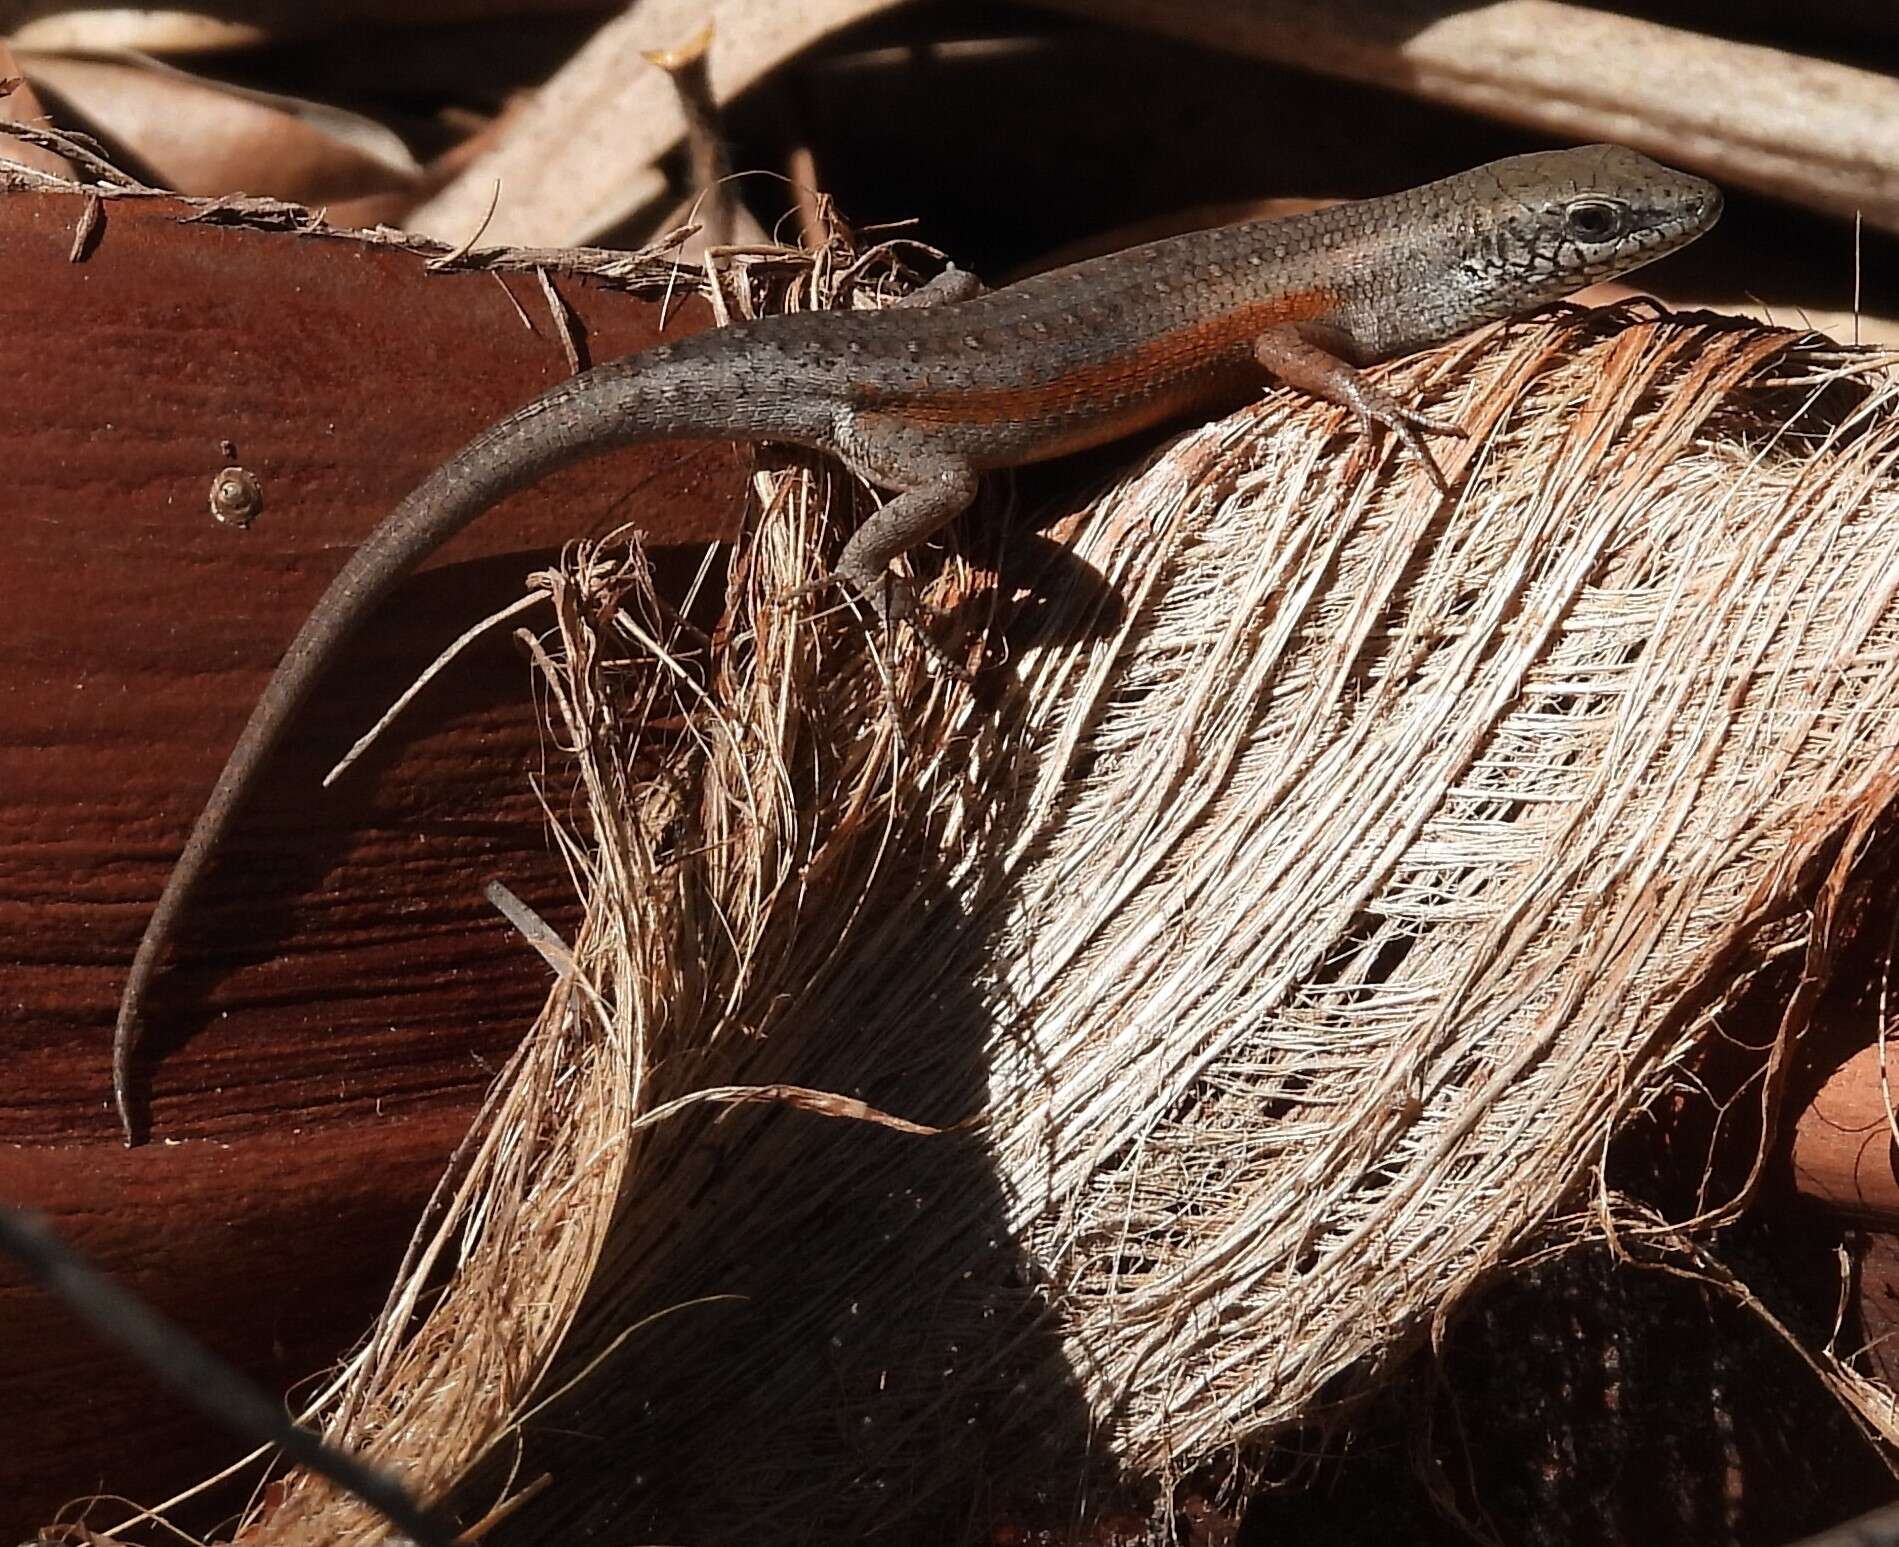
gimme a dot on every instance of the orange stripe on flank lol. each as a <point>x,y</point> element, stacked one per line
<point>1103,384</point>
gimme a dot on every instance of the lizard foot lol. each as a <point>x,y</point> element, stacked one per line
<point>892,600</point>
<point>1311,360</point>
<point>1376,408</point>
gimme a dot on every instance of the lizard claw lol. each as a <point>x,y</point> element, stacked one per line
<point>1432,426</point>
<point>1376,409</point>
<point>935,649</point>
<point>809,591</point>
<point>892,600</point>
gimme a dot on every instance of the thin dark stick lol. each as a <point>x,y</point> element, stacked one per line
<point>710,166</point>
<point>200,1376</point>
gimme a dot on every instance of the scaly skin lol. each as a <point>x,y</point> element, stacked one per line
<point>918,400</point>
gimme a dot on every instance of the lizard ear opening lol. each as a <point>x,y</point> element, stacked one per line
<point>1595,220</point>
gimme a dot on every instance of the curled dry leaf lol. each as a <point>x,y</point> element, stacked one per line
<point>204,137</point>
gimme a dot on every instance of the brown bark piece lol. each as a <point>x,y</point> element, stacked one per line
<point>343,992</point>
<point>1843,1151</point>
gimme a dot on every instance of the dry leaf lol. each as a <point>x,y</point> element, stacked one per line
<point>204,137</point>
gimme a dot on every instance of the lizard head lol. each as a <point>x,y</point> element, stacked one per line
<point>1562,219</point>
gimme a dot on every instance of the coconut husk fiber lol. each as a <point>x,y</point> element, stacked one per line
<point>1274,935</point>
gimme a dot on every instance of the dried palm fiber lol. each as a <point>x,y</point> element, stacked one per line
<point>1323,877</point>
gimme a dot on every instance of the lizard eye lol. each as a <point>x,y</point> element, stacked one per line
<point>1594,220</point>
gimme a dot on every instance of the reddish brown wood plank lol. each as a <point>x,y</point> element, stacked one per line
<point>343,993</point>
<point>1843,1154</point>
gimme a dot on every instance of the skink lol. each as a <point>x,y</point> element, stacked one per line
<point>918,400</point>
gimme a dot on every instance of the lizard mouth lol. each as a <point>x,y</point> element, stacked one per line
<point>1702,207</point>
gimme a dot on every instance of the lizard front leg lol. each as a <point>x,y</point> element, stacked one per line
<point>931,486</point>
<point>1298,355</point>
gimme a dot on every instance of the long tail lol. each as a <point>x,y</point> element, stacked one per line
<point>613,405</point>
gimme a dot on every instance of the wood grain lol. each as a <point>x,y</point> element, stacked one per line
<point>344,993</point>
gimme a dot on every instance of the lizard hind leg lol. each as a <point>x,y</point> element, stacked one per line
<point>931,487</point>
